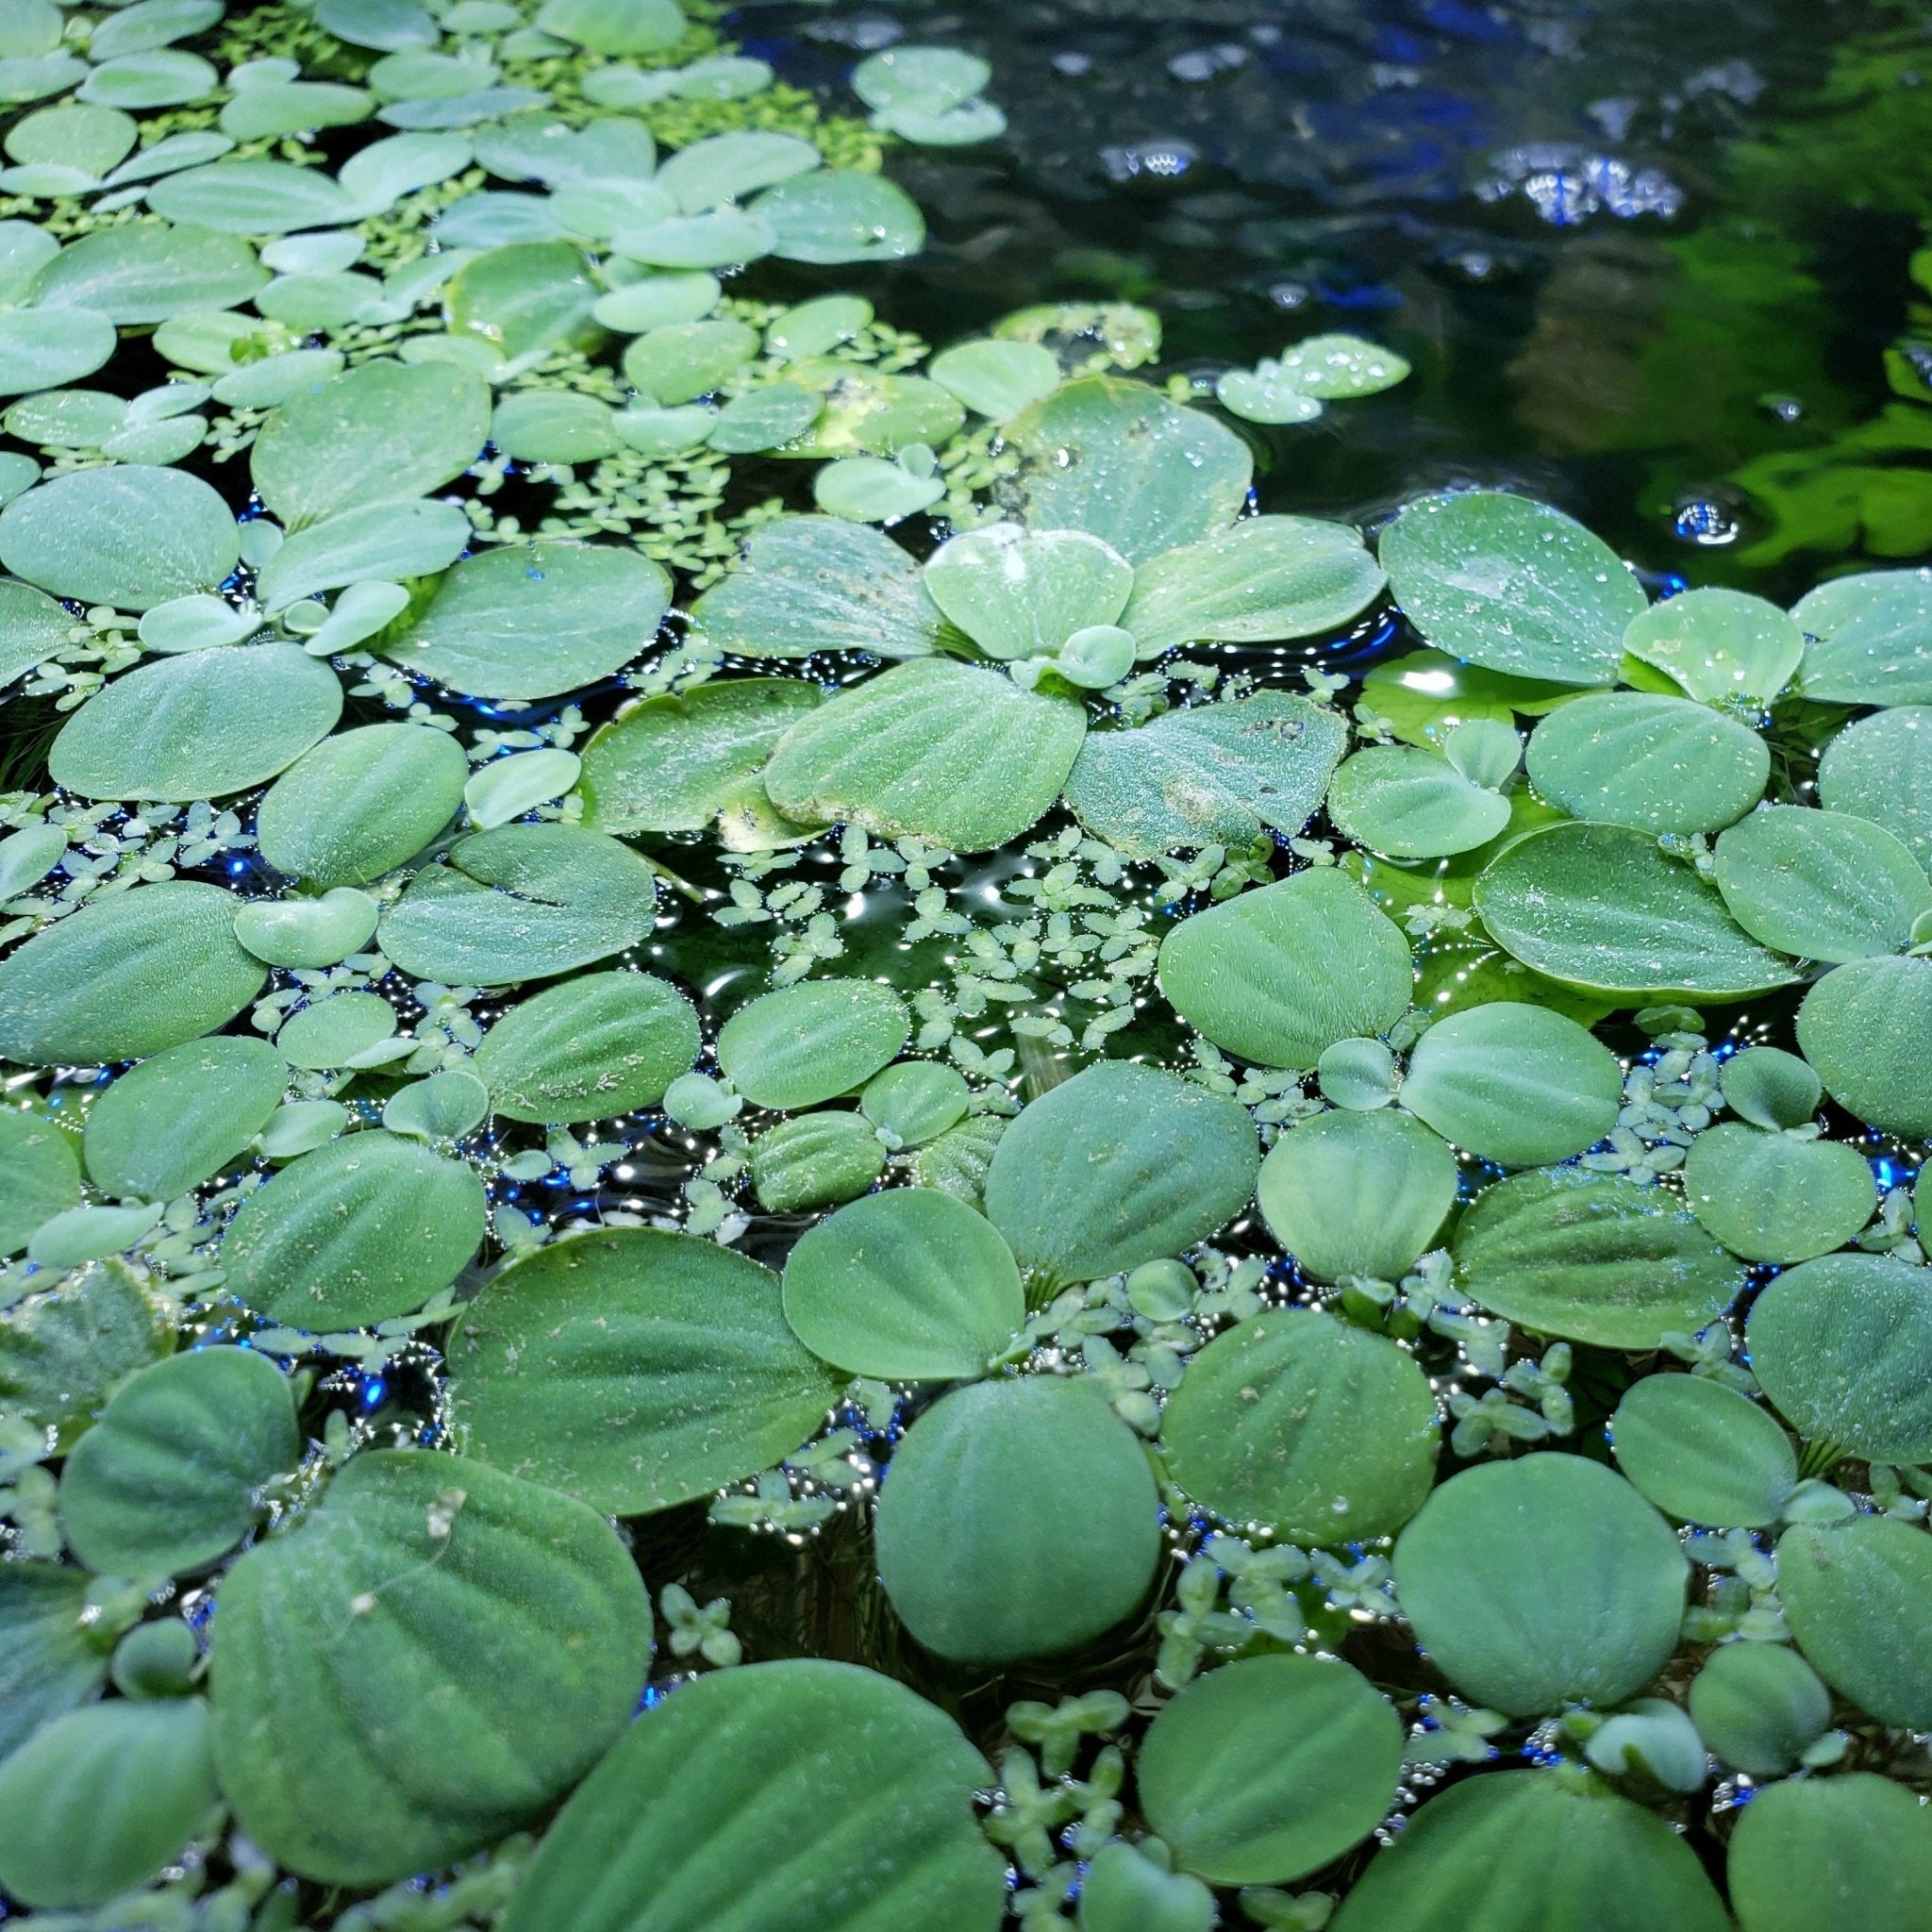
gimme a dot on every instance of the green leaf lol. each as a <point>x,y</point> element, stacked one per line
<point>378,542</point>
<point>997,379</point>
<point>554,427</point>
<point>1268,1768</point>
<point>869,411</point>
<point>1775,1197</point>
<point>253,197</point>
<point>933,749</point>
<point>1512,584</point>
<point>1357,1194</point>
<point>198,725</point>
<point>61,1353</point>
<point>842,216</point>
<point>1719,646</point>
<point>1841,1344</point>
<point>1600,906</point>
<point>1660,764</point>
<point>1851,1850</point>
<point>615,27</point>
<point>907,1286</point>
<point>1540,1582</point>
<point>1867,1028</point>
<point>811,584</point>
<point>1770,1087</point>
<point>39,1177</point>
<point>1120,1165</point>
<point>634,1369</point>
<point>1019,1520</point>
<point>1858,1598</point>
<point>383,430</point>
<point>1866,638</point>
<point>1758,1707</point>
<point>1591,1258</point>
<point>1336,367</point>
<point>46,348</point>
<point>365,1228</point>
<point>652,301</point>
<point>817,1160</point>
<point>147,271</point>
<point>1266,578</point>
<point>1278,974</point>
<point>1266,394</point>
<point>1879,768</point>
<point>1294,1424</point>
<point>720,238</point>
<point>605,1043</point>
<point>1515,1084</point>
<point>293,107</point>
<point>1124,1890</point>
<point>102,1799</point>
<point>509,1622</point>
<point>764,418</point>
<point>1426,696</point>
<point>809,1043</point>
<point>1820,884</point>
<point>127,535</point>
<point>32,627</point>
<point>520,901</point>
<point>167,1124</point>
<point>1116,460</point>
<point>531,622</point>
<point>49,1661</point>
<point>1410,804</point>
<point>524,300</point>
<point>1704,1453</point>
<point>1019,593</point>
<point>1206,775</point>
<point>1522,1851</point>
<point>916,1101</point>
<point>748,1756</point>
<point>361,803</point>
<point>681,763</point>
<point>126,976</point>
<point>931,79</point>
<point>173,1473</point>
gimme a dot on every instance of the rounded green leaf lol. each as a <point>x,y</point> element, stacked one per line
<point>1841,1345</point>
<point>102,1799</point>
<point>1704,1453</point>
<point>1867,1028</point>
<point>375,543</point>
<point>1880,768</point>
<point>1719,646</point>
<point>1279,974</point>
<point>127,535</point>
<point>809,1043</point>
<point>1357,1194</point>
<point>1592,1258</point>
<point>1778,1197</point>
<point>517,623</point>
<point>1518,1085</point>
<point>146,272</point>
<point>47,348</point>
<point>1770,1087</point>
<point>915,1102</point>
<point>49,1660</point>
<point>1758,1707</point>
<point>634,1369</point>
<point>1858,1598</point>
<point>39,1175</point>
<point>1522,1851</point>
<point>361,803</point>
<point>681,360</point>
<point>1820,884</point>
<point>1542,1582</point>
<point>1120,1165</point>
<point>175,1471</point>
<point>817,1160</point>
<point>1018,1519</point>
<point>676,764</point>
<point>997,379</point>
<point>167,1124</point>
<point>747,1756</point>
<point>838,215</point>
<point>520,901</point>
<point>909,1285</point>
<point>1855,1849</point>
<point>602,1045</point>
<point>62,1352</point>
<point>1022,594</point>
<point>934,749</point>
<point>198,725</point>
<point>1660,764</point>
<point>1269,1767</point>
<point>1601,905</point>
<point>1120,461</point>
<point>1865,638</point>
<point>1512,584</point>
<point>126,976</point>
<point>1125,1889</point>
<point>1410,804</point>
<point>309,932</point>
<point>507,1621</point>
<point>362,1229</point>
<point>252,197</point>
<point>32,627</point>
<point>1206,775</point>
<point>1294,1424</point>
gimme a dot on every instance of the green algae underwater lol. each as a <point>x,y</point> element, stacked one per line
<point>962,971</point>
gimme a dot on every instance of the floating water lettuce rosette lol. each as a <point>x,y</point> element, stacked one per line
<point>759,1168</point>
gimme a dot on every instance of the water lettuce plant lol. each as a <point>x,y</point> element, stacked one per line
<point>663,944</point>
